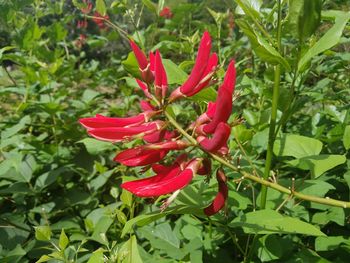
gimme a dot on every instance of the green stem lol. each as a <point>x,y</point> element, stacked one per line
<point>272,128</point>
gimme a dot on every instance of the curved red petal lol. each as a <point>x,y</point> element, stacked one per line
<point>140,56</point>
<point>200,64</point>
<point>101,121</point>
<point>220,199</point>
<point>224,100</point>
<point>116,134</point>
<point>219,139</point>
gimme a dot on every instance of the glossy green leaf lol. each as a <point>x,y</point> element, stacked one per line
<point>131,65</point>
<point>63,240</point>
<point>296,145</point>
<point>145,219</point>
<point>261,47</point>
<point>150,5</point>
<point>249,7</point>
<point>318,164</point>
<point>97,257</point>
<point>304,17</point>
<point>328,40</point>
<point>43,233</point>
<point>101,7</point>
<point>174,73</point>
<point>129,252</point>
<point>95,147</point>
<point>331,243</point>
<point>270,222</point>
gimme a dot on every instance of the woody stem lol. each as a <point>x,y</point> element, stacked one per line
<point>262,181</point>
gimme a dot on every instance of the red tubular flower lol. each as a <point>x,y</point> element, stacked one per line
<point>140,56</point>
<point>164,183</point>
<point>99,20</point>
<point>220,199</point>
<point>219,139</point>
<point>146,106</point>
<point>101,121</point>
<point>148,153</point>
<point>224,99</point>
<point>161,81</point>
<point>208,73</point>
<point>117,134</point>
<point>144,66</point>
<point>87,8</point>
<point>140,157</point>
<point>205,117</point>
<point>198,70</point>
<point>181,161</point>
<point>144,87</point>
<point>166,13</point>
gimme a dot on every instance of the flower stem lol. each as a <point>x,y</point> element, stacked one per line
<point>262,181</point>
<point>272,128</point>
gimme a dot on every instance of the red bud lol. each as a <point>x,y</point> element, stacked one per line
<point>220,199</point>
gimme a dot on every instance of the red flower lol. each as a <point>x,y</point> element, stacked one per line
<point>149,153</point>
<point>166,13</point>
<point>201,73</point>
<point>164,183</point>
<point>210,130</point>
<point>82,23</point>
<point>101,121</point>
<point>100,20</point>
<point>87,8</point>
<point>220,199</point>
<point>161,81</point>
<point>117,134</point>
<point>219,139</point>
<point>224,99</point>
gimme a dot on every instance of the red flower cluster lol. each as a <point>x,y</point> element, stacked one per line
<point>166,12</point>
<point>210,129</point>
<point>100,20</point>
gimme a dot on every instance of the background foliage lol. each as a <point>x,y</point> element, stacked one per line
<point>59,190</point>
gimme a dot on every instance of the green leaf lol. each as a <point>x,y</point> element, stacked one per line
<point>270,222</point>
<point>4,49</point>
<point>95,147</point>
<point>63,241</point>
<point>331,243</point>
<point>43,233</point>
<point>328,40</point>
<point>261,47</point>
<point>205,95</point>
<point>304,17</point>
<point>174,73</point>
<point>296,145</point>
<point>314,187</point>
<point>318,164</point>
<point>346,137</point>
<point>129,252</point>
<point>150,5</point>
<point>97,257</point>
<point>126,198</point>
<point>16,128</point>
<point>146,219</point>
<point>131,65</point>
<point>101,7</point>
<point>272,247</point>
<point>43,258</point>
<point>249,7</point>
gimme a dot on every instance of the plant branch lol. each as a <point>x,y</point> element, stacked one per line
<point>262,181</point>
